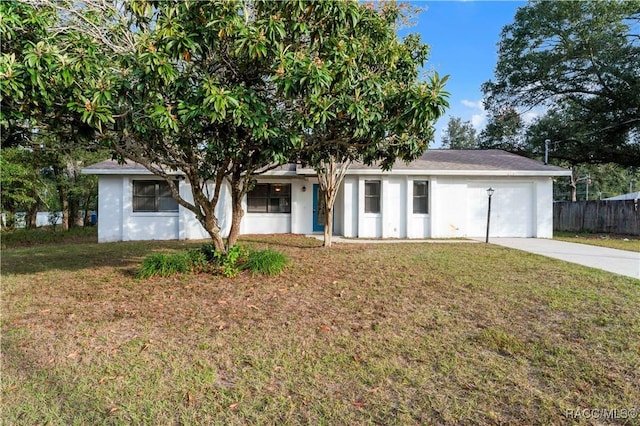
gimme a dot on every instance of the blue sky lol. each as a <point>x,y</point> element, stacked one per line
<point>463,36</point>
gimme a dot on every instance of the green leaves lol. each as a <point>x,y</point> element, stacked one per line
<point>11,83</point>
<point>19,179</point>
<point>579,59</point>
<point>353,81</point>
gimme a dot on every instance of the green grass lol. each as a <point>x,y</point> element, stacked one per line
<point>620,242</point>
<point>46,235</point>
<point>266,262</point>
<point>357,334</point>
<point>165,265</point>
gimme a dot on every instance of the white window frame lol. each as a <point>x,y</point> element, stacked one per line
<point>425,196</point>
<point>377,196</point>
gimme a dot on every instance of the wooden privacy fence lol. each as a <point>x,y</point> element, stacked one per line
<point>607,216</point>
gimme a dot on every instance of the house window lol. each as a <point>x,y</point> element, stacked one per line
<point>269,198</point>
<point>372,196</point>
<point>153,196</point>
<point>421,196</point>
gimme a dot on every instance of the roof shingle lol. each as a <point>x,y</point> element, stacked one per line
<point>470,159</point>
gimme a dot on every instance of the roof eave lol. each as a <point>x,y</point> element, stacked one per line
<point>120,172</point>
<point>279,173</point>
<point>145,172</point>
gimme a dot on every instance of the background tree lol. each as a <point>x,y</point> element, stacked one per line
<point>20,180</point>
<point>580,59</point>
<point>44,73</point>
<point>505,130</point>
<point>459,135</point>
<point>356,89</point>
<point>602,180</point>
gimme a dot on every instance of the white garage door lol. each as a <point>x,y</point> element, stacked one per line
<point>511,210</point>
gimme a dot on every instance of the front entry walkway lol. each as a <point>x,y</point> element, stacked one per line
<point>620,262</point>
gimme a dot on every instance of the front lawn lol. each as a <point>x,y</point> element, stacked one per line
<point>47,235</point>
<point>620,242</point>
<point>358,334</point>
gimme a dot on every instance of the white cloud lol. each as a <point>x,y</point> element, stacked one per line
<point>478,121</point>
<point>472,104</point>
<point>479,118</point>
<point>529,116</point>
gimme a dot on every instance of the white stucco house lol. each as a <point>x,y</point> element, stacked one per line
<point>441,195</point>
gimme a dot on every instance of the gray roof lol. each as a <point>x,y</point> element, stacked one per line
<point>446,161</point>
<point>470,159</point>
<point>130,167</point>
<point>114,165</point>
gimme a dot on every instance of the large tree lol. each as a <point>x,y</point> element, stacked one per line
<point>191,90</point>
<point>579,60</point>
<point>199,101</point>
<point>356,89</point>
<point>459,135</point>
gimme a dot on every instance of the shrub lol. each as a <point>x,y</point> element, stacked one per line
<point>209,251</point>
<point>267,262</point>
<point>198,258</point>
<point>230,261</point>
<point>204,258</point>
<point>164,265</point>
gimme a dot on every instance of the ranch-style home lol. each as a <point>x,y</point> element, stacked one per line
<point>441,195</point>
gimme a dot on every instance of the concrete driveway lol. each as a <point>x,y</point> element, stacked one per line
<point>617,261</point>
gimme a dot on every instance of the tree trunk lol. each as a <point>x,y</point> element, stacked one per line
<point>87,209</point>
<point>573,185</point>
<point>236,215</point>
<point>63,194</point>
<point>218,242</point>
<point>32,216</point>
<point>9,218</point>
<point>75,219</point>
<point>328,225</point>
<point>64,204</point>
<point>212,227</point>
<point>330,176</point>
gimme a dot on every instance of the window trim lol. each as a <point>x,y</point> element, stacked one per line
<point>156,197</point>
<point>425,196</point>
<point>377,196</point>
<point>271,195</point>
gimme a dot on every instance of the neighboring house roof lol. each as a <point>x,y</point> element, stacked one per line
<point>434,162</point>
<point>629,196</point>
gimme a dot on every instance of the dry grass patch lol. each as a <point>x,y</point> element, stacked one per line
<point>359,334</point>
<point>614,241</point>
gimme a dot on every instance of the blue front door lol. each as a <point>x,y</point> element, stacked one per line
<point>318,209</point>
